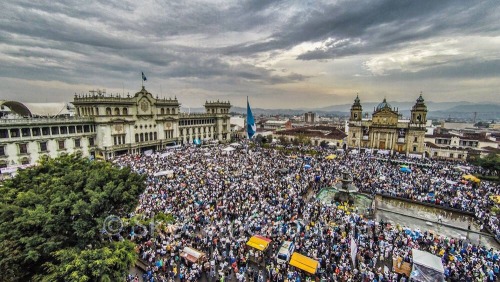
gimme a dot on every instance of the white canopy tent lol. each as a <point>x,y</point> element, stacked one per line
<point>426,267</point>
<point>235,144</point>
<point>228,149</point>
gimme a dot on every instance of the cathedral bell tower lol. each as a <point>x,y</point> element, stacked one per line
<point>356,110</point>
<point>419,111</point>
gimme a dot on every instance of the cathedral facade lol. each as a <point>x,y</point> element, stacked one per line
<point>386,130</point>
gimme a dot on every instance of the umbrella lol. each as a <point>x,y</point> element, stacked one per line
<point>405,169</point>
<point>331,157</point>
<point>307,166</point>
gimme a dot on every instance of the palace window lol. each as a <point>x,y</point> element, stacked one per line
<point>108,111</point>
<point>14,133</point>
<point>2,150</point>
<point>414,148</point>
<point>415,139</point>
<point>91,141</point>
<point>125,111</point>
<point>117,111</point>
<point>23,148</point>
<point>43,146</point>
<point>77,143</point>
<point>55,130</point>
<point>136,138</point>
<point>61,144</point>
<point>25,132</point>
<point>4,133</point>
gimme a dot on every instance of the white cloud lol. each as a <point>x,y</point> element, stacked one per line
<point>433,53</point>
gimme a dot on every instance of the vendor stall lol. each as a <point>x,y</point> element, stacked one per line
<point>302,262</point>
<point>193,255</point>
<point>426,267</point>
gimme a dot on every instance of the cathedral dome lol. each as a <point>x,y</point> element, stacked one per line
<point>382,105</point>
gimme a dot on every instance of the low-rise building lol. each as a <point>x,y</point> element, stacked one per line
<point>459,146</point>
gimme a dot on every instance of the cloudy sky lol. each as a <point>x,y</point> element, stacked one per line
<point>282,54</point>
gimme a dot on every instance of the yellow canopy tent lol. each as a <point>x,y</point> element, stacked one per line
<point>305,263</point>
<point>471,177</point>
<point>258,242</point>
<point>331,157</point>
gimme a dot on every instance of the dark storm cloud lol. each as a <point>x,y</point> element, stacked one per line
<point>373,26</point>
<point>226,42</point>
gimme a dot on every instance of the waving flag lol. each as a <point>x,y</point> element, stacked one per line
<point>144,77</point>
<point>251,128</point>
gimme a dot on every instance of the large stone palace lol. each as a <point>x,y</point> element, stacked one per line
<point>105,126</point>
<point>386,130</point>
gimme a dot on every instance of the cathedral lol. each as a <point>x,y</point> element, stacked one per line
<point>386,131</point>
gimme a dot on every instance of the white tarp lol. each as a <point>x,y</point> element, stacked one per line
<point>426,267</point>
<point>415,156</point>
<point>164,172</point>
<point>164,155</point>
<point>235,144</point>
<point>228,149</point>
<point>383,152</point>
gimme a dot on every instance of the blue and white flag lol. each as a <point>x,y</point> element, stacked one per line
<point>144,77</point>
<point>251,128</point>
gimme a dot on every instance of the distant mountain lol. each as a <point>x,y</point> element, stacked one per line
<point>402,106</point>
<point>436,110</point>
<point>478,108</point>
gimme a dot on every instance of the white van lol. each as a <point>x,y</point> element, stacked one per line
<point>285,252</point>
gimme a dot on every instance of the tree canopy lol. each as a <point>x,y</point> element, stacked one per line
<point>491,162</point>
<point>51,220</point>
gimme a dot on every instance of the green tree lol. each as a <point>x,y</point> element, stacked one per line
<point>57,208</point>
<point>491,162</point>
<point>283,140</point>
<point>108,263</point>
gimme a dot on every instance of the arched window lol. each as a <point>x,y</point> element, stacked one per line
<point>96,111</point>
<point>162,111</point>
<point>142,137</point>
<point>155,136</point>
<point>108,111</point>
<point>136,137</point>
<point>125,111</point>
<point>150,135</point>
<point>117,112</point>
<point>168,111</point>
<point>146,137</point>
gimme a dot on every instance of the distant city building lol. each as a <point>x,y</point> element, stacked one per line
<point>105,126</point>
<point>316,134</point>
<point>385,131</point>
<point>456,125</point>
<point>309,117</point>
<point>272,125</point>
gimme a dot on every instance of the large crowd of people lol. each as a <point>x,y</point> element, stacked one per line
<point>219,199</point>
